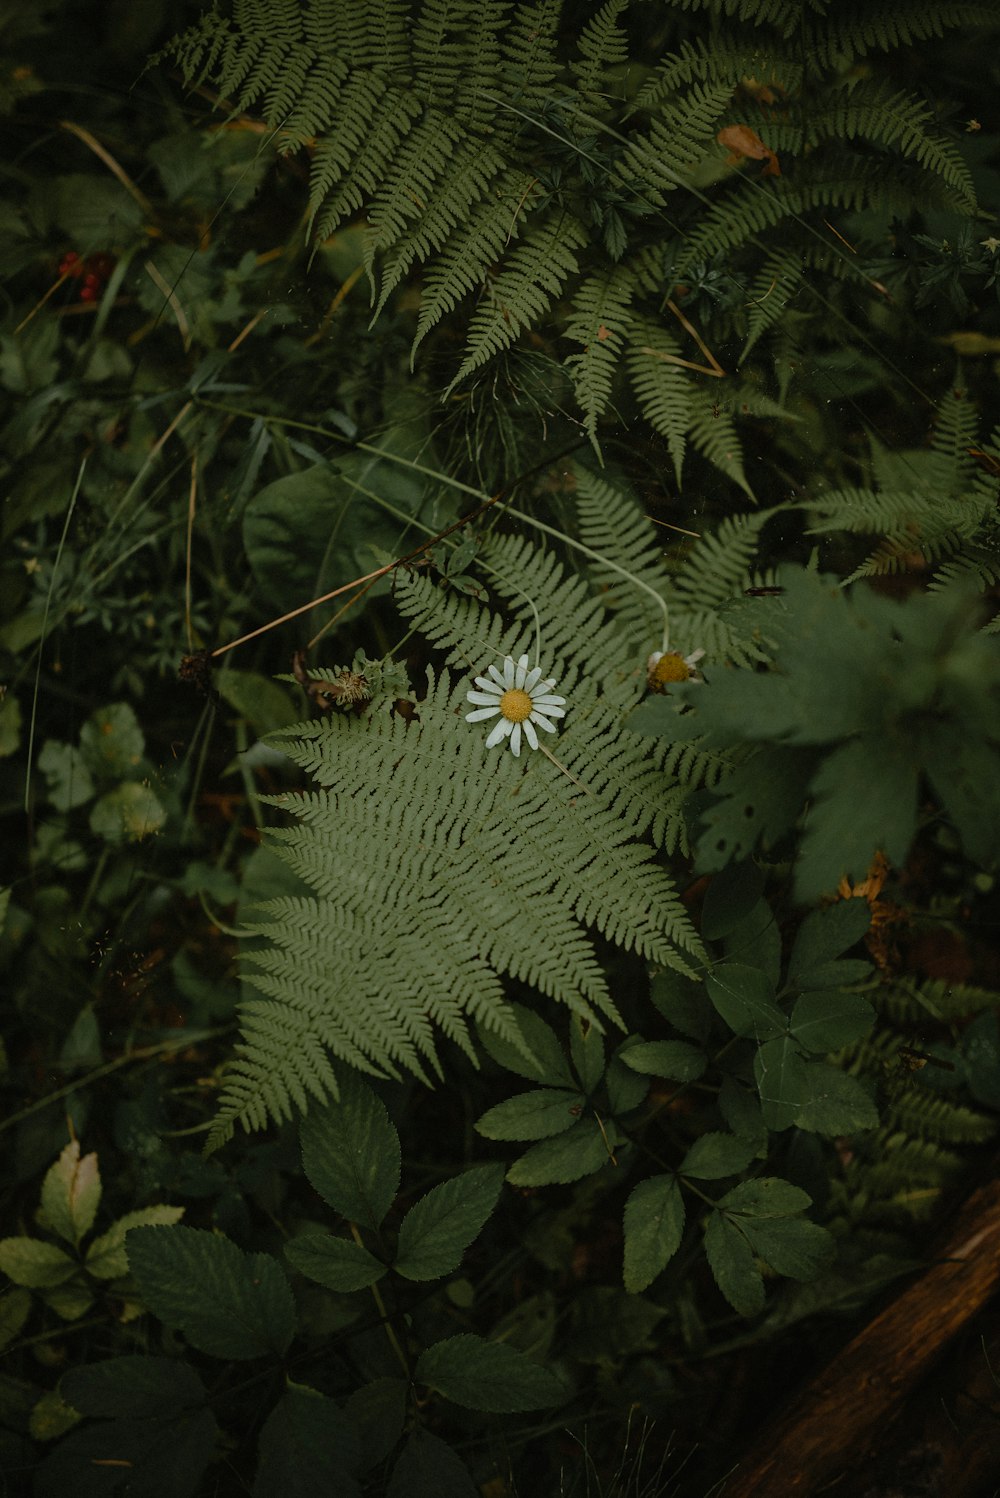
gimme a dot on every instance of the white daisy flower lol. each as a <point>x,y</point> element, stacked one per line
<point>666,666</point>
<point>522,700</point>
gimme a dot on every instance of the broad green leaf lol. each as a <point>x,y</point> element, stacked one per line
<point>654,1226</point>
<point>227,1303</point>
<point>532,1115</point>
<point>81,1049</point>
<point>265,704</point>
<point>745,999</point>
<point>65,770</point>
<point>609,1324</point>
<point>579,1152</point>
<point>337,1263</point>
<point>133,1387</point>
<point>782,1081</point>
<point>627,1089</point>
<point>586,1046</point>
<point>530,1326</point>
<point>52,1417</point>
<point>980,1055</point>
<point>731,1261</point>
<point>438,1229</point>
<point>757,803</point>
<point>828,1019</point>
<point>839,974</point>
<point>39,1266</point>
<point>543,1059</point>
<point>69,1301</point>
<point>714,1156</point>
<point>111,742</point>
<point>742,1112</point>
<point>127,814</point>
<point>684,1003</point>
<point>490,1376</point>
<point>106,1256</point>
<point>71,1194</point>
<point>824,935</point>
<point>837,1103</point>
<point>767,1196</point>
<point>666,1058</point>
<point>156,1458</point>
<point>377,1411</point>
<point>307,1449</point>
<point>756,940</point>
<point>10,729</point>
<point>15,1308</point>
<point>350,1150</point>
<point>863,799</point>
<point>732,893</point>
<point>792,1246</point>
<point>428,1468</point>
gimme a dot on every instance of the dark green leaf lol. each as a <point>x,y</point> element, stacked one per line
<point>731,1261</point>
<point>716,1155</point>
<point>824,935</point>
<point>666,1058</point>
<point>757,803</point>
<point>132,1387</point>
<point>742,1112</point>
<point>579,1152</point>
<point>227,1303</point>
<point>756,940</point>
<point>544,1059</point>
<point>307,1449</point>
<point>627,1089</point>
<point>609,1324</point>
<point>144,1458</point>
<point>791,1245</point>
<point>532,1115</point>
<point>684,1003</point>
<point>377,1411</point>
<point>732,894</point>
<point>782,1081</point>
<point>654,1226</point>
<point>586,1047</point>
<point>337,1263</point>
<point>863,800</point>
<point>829,1019</point>
<point>435,1232</point>
<point>490,1376</point>
<point>767,1196</point>
<point>745,999</point>
<point>428,1468</point>
<point>980,1053</point>
<point>350,1150</point>
<point>837,1103</point>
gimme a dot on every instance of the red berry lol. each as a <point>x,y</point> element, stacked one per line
<point>70,264</point>
<point>88,294</point>
<point>92,281</point>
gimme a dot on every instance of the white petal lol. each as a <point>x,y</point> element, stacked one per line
<point>508,672</point>
<point>515,740</point>
<point>521,672</point>
<point>693,658</point>
<point>543,723</point>
<point>532,678</point>
<point>530,734</point>
<point>549,709</point>
<point>547,699</point>
<point>498,678</point>
<point>501,731</point>
<point>481,713</point>
<point>489,686</point>
<point>485,699</point>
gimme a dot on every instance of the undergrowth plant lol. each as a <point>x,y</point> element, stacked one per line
<point>542,947</point>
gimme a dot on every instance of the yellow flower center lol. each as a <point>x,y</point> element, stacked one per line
<point>515,704</point>
<point>671,667</point>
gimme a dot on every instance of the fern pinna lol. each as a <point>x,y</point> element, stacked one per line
<point>437,868</point>
<point>579,178</point>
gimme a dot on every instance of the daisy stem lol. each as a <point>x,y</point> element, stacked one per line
<point>549,755</point>
<point>596,556</point>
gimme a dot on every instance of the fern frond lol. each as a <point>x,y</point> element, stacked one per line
<point>927,1115</point>
<point>602,45</point>
<point>661,387</point>
<point>599,321</point>
<point>857,27</point>
<point>719,59</point>
<point>533,276</point>
<point>913,1002</point>
<point>678,138</point>
<point>713,432</point>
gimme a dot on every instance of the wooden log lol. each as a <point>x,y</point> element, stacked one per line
<point>839,1415</point>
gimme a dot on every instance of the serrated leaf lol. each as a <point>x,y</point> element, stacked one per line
<point>543,1060</point>
<point>428,1468</point>
<point>792,1246</point>
<point>489,1376</point>
<point>157,1458</point>
<point>732,893</point>
<point>714,1156</point>
<point>731,1261</point>
<point>654,1227</point>
<point>569,1157</point>
<point>757,936</point>
<point>133,1387</point>
<point>377,1410</point>
<point>52,1417</point>
<point>65,770</point>
<point>837,1103</point>
<point>667,1058</point>
<point>15,1307</point>
<point>627,1089</point>
<point>307,1449</point>
<point>828,1019</point>
<point>532,1115</point>
<point>350,1151</point>
<point>337,1263</point>
<point>742,1112</point>
<point>69,1301</point>
<point>767,1196</point>
<point>264,703</point>
<point>824,935</point>
<point>127,814</point>
<point>586,1046</point>
<point>782,1081</point>
<point>106,1257</point>
<point>227,1303</point>
<point>39,1266</point>
<point>684,1003</point>
<point>438,1229</point>
<point>745,999</point>
<point>71,1194</point>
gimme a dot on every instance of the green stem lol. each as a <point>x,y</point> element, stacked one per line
<point>383,1313</point>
